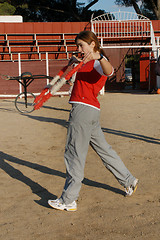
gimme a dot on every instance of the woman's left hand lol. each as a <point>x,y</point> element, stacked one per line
<point>91,56</point>
<point>105,64</point>
<point>74,59</point>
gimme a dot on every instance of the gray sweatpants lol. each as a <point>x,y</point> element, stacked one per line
<point>84,129</point>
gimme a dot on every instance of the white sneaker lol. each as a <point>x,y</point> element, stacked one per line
<point>62,206</point>
<point>132,188</point>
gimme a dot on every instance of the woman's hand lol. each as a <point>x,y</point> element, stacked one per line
<point>106,66</point>
<point>88,57</point>
<point>74,59</point>
<point>91,56</point>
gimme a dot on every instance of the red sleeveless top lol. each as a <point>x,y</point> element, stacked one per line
<point>87,85</point>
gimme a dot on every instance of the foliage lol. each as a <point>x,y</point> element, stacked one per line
<point>132,58</point>
<point>6,8</point>
<point>51,10</point>
<point>127,3</point>
<point>148,11</point>
<point>148,8</point>
<point>70,10</point>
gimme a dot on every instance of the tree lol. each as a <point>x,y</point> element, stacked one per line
<point>148,8</point>
<point>151,9</point>
<point>52,10</point>
<point>6,8</point>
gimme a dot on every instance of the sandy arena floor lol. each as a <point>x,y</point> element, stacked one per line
<point>32,171</point>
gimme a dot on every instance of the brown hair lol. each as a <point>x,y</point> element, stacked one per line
<point>88,37</point>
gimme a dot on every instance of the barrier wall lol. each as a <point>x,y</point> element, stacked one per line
<point>39,67</point>
<point>12,87</point>
<point>44,27</point>
<point>35,67</point>
<point>147,73</point>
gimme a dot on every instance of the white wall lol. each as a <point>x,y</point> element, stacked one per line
<point>14,18</point>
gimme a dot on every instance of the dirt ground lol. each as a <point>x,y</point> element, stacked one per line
<point>32,171</point>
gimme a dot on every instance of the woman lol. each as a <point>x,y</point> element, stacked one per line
<point>84,127</point>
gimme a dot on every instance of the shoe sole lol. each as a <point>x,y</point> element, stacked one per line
<point>135,188</point>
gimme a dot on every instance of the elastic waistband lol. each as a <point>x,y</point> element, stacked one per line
<point>85,104</point>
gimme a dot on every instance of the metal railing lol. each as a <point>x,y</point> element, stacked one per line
<point>124,25</point>
<point>122,29</point>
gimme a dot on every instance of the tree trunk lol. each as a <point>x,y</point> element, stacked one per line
<point>158,9</point>
<point>136,7</point>
<point>90,4</point>
<point>155,8</point>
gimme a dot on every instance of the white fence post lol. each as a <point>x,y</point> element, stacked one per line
<point>47,67</point>
<point>19,70</point>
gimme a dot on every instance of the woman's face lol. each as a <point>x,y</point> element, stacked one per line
<point>84,47</point>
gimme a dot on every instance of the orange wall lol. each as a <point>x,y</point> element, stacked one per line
<point>156,26</point>
<point>53,27</point>
<point>145,66</point>
<point>44,27</point>
<point>36,67</point>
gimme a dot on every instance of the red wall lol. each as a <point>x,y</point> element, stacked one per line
<point>11,68</point>
<point>53,27</point>
<point>44,27</point>
<point>35,67</point>
<point>145,66</point>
